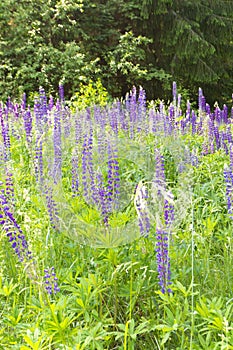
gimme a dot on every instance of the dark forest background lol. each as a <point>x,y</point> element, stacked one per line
<point>122,43</point>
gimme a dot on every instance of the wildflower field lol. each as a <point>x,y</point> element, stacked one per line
<point>116,224</point>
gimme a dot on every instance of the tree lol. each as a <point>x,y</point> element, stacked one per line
<point>122,42</point>
<point>192,41</point>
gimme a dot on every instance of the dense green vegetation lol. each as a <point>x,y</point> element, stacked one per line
<point>116,207</point>
<point>124,43</point>
<point>115,225</point>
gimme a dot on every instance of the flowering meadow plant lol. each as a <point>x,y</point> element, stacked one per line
<point>83,190</point>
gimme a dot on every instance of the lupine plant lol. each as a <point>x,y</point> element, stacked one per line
<point>116,224</point>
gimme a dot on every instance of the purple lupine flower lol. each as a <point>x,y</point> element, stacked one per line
<point>171,119</point>
<point>102,199</point>
<point>217,115</point>
<point>75,175</point>
<point>88,176</point>
<point>193,122</point>
<point>178,101</point>
<point>38,161</point>
<point>152,120</point>
<point>207,108</point>
<point>163,260</point>
<point>50,282</point>
<point>133,111</point>
<point>51,206</point>
<point>217,137</point>
<point>28,125</point>
<point>13,231</point>
<point>9,105</point>
<point>10,193</point>
<point>85,166</point>
<point>61,93</point>
<point>188,110</point>
<point>211,135</point>
<point>113,176</point>
<point>90,164</point>
<point>163,232</point>
<point>225,114</point>
<point>203,103</point>
<point>51,103</point>
<point>38,116</point>
<point>5,136</point>
<point>228,177</point>
<point>124,123</point>
<point>229,135</point>
<point>57,145</point>
<point>200,95</point>
<point>113,119</point>
<point>142,122</point>
<point>101,144</point>
<point>174,92</point>
<point>231,158</point>
<point>168,211</point>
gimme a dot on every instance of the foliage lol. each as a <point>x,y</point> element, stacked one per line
<point>109,297</point>
<point>124,43</point>
<point>90,95</point>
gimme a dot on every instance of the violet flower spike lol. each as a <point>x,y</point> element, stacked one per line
<point>50,281</point>
<point>163,260</point>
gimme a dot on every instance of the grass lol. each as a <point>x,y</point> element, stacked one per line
<point>109,296</point>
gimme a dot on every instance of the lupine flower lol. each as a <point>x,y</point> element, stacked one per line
<point>133,111</point>
<point>88,175</point>
<point>163,260</point>
<point>113,176</point>
<point>102,199</point>
<point>50,282</point>
<point>141,122</point>
<point>228,177</point>
<point>10,195</point>
<point>113,119</point>
<point>51,103</point>
<point>200,95</point>
<point>13,231</point>
<point>225,114</point>
<point>168,211</point>
<point>193,122</point>
<point>5,136</point>
<point>28,125</point>
<point>211,135</point>
<point>217,137</point>
<point>171,119</point>
<point>38,161</point>
<point>203,102</point>
<point>174,92</point>
<point>229,135</point>
<point>51,206</point>
<point>163,229</point>
<point>75,175</point>
<point>61,92</point>
<point>57,145</point>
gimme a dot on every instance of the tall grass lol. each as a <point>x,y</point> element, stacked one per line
<point>116,228</point>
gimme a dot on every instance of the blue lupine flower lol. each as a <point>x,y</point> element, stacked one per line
<point>50,282</point>
<point>163,260</point>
